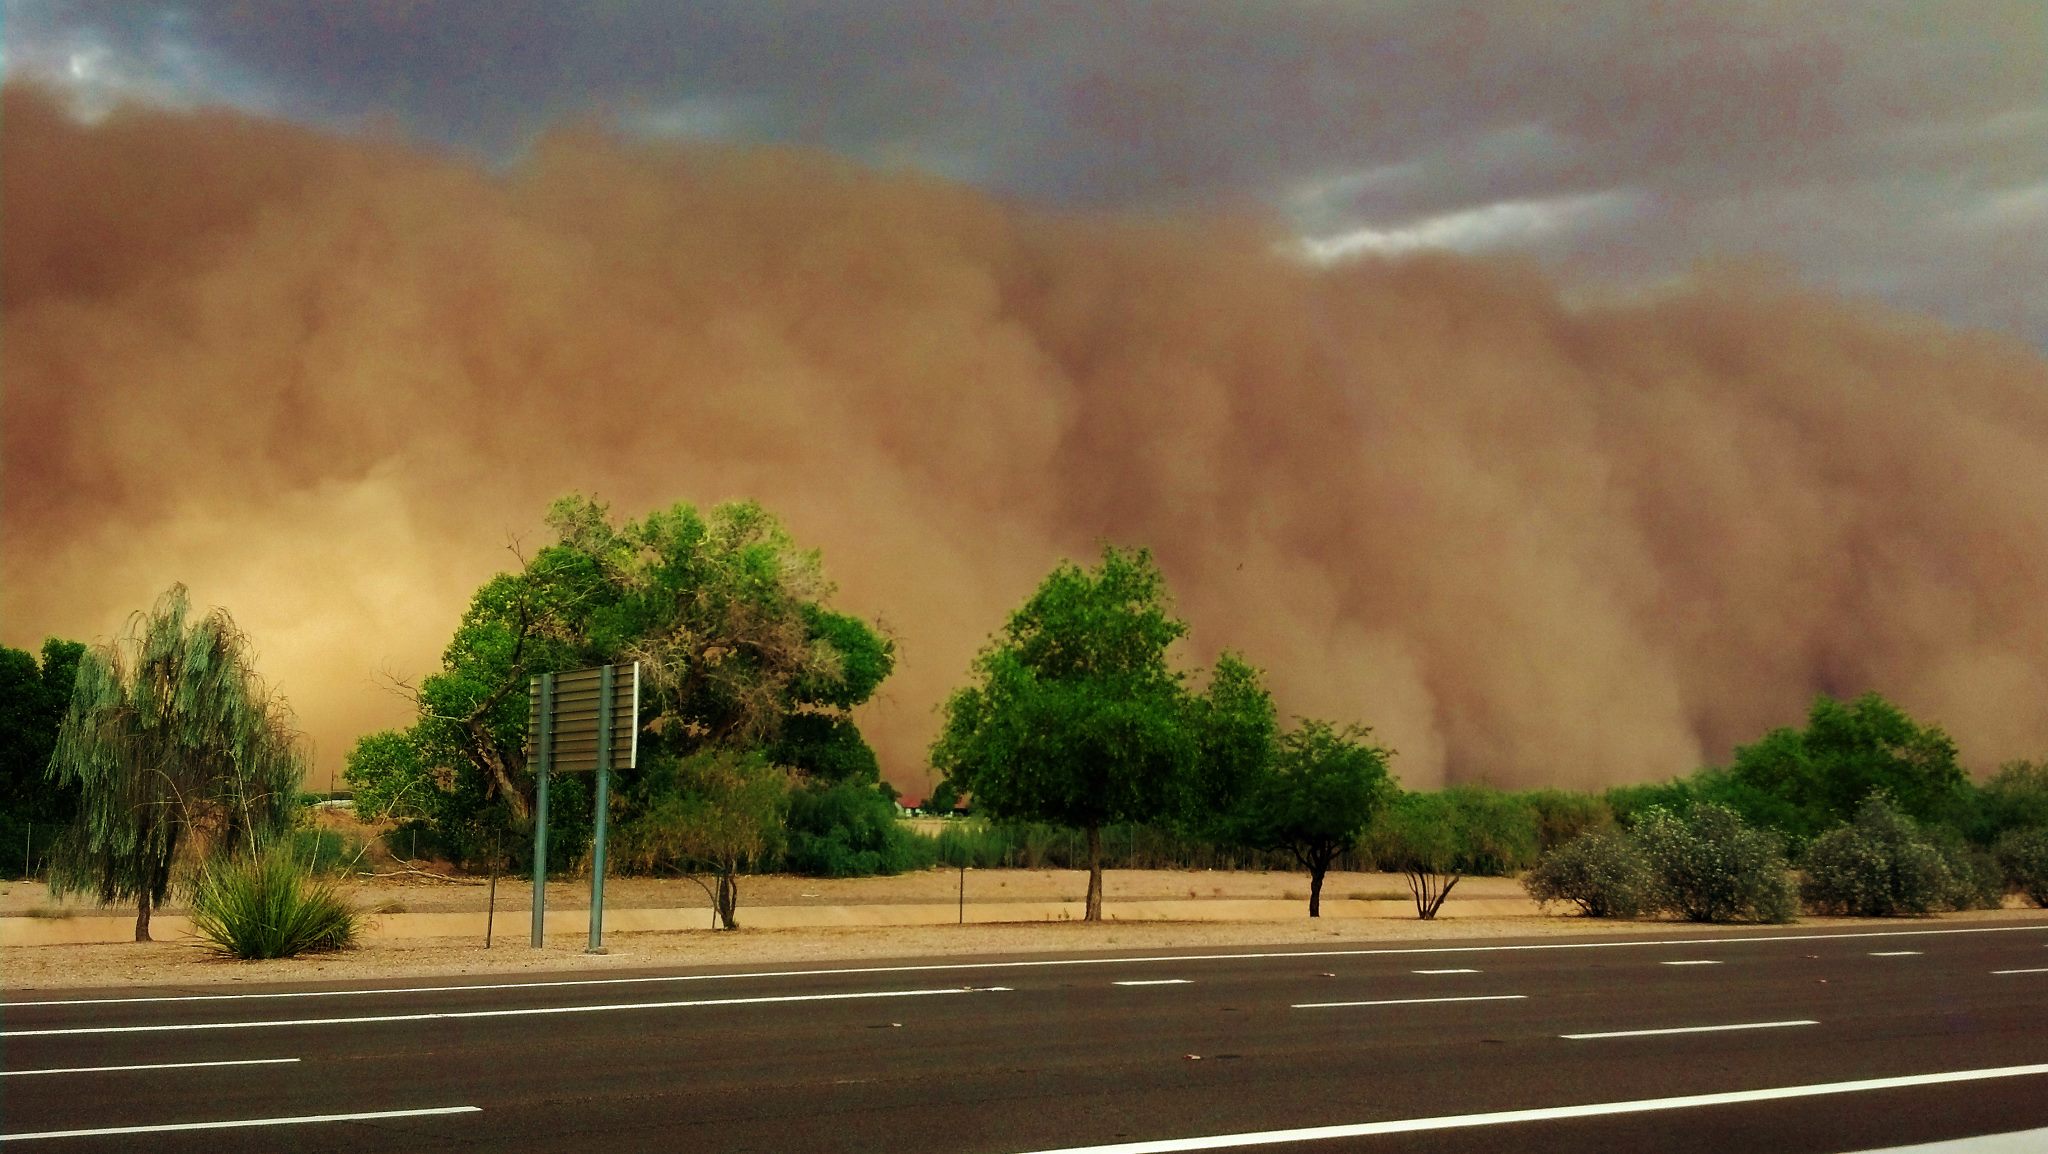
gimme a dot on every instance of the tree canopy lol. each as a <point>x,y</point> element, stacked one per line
<point>33,698</point>
<point>171,741</point>
<point>1803,782</point>
<point>1076,716</point>
<point>737,650</point>
<point>1324,787</point>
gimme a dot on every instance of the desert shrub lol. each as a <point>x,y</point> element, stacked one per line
<point>2023,855</point>
<point>850,830</point>
<point>1602,872</point>
<point>1878,866</point>
<point>1711,867</point>
<point>1418,837</point>
<point>269,907</point>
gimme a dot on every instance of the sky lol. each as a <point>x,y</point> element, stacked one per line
<point>1896,150</point>
<point>1569,392</point>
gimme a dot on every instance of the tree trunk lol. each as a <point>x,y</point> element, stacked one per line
<point>1315,888</point>
<point>142,917</point>
<point>1094,908</point>
<point>728,900</point>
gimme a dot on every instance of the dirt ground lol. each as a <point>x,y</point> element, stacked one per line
<point>423,894</point>
<point>183,964</point>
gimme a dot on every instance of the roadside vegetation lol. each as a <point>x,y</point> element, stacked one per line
<point>1077,739</point>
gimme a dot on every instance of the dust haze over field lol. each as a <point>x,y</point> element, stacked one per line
<point>1530,539</point>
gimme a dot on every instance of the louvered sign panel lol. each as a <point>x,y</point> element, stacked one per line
<point>576,711</point>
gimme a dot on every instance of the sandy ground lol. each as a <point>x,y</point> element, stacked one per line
<point>175,964</point>
<point>421,894</point>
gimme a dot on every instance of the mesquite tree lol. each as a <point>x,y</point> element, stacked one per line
<point>173,743</point>
<point>1323,789</point>
<point>1076,717</point>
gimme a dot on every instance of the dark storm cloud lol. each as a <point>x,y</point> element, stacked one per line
<point>1850,139</point>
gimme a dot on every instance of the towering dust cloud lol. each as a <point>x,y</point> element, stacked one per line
<point>326,381</point>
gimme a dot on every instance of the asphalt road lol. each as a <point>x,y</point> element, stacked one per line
<point>1780,1040</point>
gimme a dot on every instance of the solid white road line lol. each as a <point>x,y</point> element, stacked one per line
<point>1412,1001</point>
<point>2035,970</point>
<point>1547,1113</point>
<point>1156,982</point>
<point>150,1066</point>
<point>1691,962</point>
<point>2016,1142</point>
<point>1691,1030</point>
<point>523,1012</point>
<point>240,1123</point>
<point>1036,963</point>
<point>1446,971</point>
<point>1895,953</point>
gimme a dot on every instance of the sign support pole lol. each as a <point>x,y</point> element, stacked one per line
<point>601,808</point>
<point>543,759</point>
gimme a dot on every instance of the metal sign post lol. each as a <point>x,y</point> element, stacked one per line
<point>600,808</point>
<point>577,722</point>
<point>544,705</point>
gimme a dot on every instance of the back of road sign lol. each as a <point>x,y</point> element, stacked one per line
<point>576,707</point>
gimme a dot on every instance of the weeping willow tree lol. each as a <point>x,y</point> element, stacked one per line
<point>175,746</point>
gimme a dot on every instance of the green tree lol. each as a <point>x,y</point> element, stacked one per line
<point>33,698</point>
<point>1075,716</point>
<point>1235,728</point>
<point>1323,790</point>
<point>1801,782</point>
<point>723,813</point>
<point>2015,798</point>
<point>171,741</point>
<point>725,615</point>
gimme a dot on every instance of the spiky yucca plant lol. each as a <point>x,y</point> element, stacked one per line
<point>269,907</point>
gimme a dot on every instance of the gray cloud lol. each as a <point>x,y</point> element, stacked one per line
<point>1891,149</point>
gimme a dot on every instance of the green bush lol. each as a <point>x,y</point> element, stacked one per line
<point>1562,815</point>
<point>268,907</point>
<point>850,830</point>
<point>1878,866</point>
<point>1978,883</point>
<point>2023,855</point>
<point>1602,872</point>
<point>1496,832</point>
<point>1711,867</point>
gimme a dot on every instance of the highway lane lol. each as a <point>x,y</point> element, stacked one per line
<point>1037,1054</point>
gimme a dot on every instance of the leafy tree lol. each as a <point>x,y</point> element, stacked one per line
<point>1418,837</point>
<point>723,813</point>
<point>1802,782</point>
<point>1234,727</point>
<point>1076,717</point>
<point>1496,831</point>
<point>1323,789</point>
<point>723,611</point>
<point>171,741</point>
<point>943,799</point>
<point>33,698</point>
<point>1563,816</point>
<point>1712,867</point>
<point>1602,872</point>
<point>2015,798</point>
